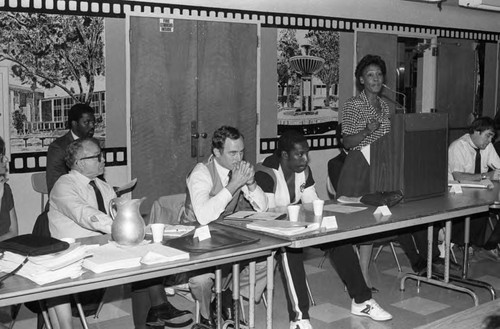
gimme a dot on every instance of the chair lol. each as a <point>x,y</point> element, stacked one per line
<point>39,183</point>
<point>392,245</point>
<point>168,210</point>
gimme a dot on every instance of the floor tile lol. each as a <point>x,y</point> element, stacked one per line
<point>422,306</point>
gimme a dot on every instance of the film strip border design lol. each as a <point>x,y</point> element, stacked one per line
<point>119,8</point>
<point>28,162</point>
<point>316,143</point>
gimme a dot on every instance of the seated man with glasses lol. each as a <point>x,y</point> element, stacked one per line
<point>79,205</point>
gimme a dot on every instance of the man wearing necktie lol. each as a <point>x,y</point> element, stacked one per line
<point>472,157</point>
<point>79,204</point>
<point>220,186</point>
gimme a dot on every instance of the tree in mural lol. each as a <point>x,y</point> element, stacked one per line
<point>53,50</point>
<point>325,44</point>
<point>287,78</point>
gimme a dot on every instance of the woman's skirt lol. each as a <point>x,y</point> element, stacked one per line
<point>354,178</point>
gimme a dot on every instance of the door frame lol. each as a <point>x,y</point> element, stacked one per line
<point>429,71</point>
<point>128,113</point>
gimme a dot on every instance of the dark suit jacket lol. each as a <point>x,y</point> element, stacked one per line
<point>56,166</point>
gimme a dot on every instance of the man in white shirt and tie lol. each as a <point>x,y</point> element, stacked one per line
<point>470,158</point>
<point>79,205</point>
<point>220,186</point>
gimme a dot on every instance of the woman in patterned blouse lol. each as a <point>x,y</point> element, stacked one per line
<point>365,118</point>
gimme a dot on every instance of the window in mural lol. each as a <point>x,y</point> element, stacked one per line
<point>308,76</point>
<point>54,61</point>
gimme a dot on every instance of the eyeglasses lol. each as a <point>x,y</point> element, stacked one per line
<point>99,157</point>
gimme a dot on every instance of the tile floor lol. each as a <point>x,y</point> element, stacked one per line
<point>410,308</point>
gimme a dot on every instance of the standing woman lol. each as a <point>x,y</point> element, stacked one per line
<point>8,217</point>
<point>365,118</point>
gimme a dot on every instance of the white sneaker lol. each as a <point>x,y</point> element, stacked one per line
<point>370,308</point>
<point>300,324</point>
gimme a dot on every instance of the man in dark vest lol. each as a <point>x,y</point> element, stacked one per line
<point>220,186</point>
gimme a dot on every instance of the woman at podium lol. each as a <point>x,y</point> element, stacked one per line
<point>365,118</point>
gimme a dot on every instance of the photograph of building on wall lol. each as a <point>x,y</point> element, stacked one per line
<point>51,62</point>
<point>308,75</point>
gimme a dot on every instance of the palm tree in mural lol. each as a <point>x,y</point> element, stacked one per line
<point>325,44</point>
<point>53,50</point>
<point>288,80</point>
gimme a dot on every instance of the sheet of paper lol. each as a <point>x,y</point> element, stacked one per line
<point>342,208</point>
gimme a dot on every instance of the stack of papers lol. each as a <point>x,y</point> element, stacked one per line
<point>280,227</point>
<point>48,268</point>
<point>112,256</point>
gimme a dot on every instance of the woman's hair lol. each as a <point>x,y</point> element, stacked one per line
<point>364,63</point>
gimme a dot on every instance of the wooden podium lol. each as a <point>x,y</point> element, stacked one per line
<point>413,157</point>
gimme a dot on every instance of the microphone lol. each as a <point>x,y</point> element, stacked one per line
<point>397,93</point>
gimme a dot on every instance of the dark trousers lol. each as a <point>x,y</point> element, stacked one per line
<point>291,264</point>
<point>417,251</point>
<point>146,294</point>
<point>346,263</point>
<point>478,224</point>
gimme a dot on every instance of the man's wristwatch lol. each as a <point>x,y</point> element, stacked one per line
<point>483,176</point>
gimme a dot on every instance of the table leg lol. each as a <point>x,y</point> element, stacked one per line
<point>218,296</point>
<point>270,288</point>
<point>465,270</point>
<point>236,295</point>
<point>251,297</point>
<point>45,314</point>
<point>429,279</point>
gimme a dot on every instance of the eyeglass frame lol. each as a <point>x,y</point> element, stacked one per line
<point>100,157</point>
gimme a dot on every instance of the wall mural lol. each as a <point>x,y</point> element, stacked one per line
<point>308,76</point>
<point>53,62</point>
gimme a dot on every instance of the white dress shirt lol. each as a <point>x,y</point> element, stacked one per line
<point>462,157</point>
<point>208,208</point>
<point>73,209</point>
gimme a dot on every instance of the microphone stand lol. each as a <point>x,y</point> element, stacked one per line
<point>397,93</point>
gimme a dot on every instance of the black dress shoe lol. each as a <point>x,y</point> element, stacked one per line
<point>167,315</point>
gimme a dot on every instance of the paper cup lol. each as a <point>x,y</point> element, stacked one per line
<point>318,207</point>
<point>157,230</point>
<point>293,213</point>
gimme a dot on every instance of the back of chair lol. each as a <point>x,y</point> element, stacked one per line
<point>167,209</point>
<point>39,183</point>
